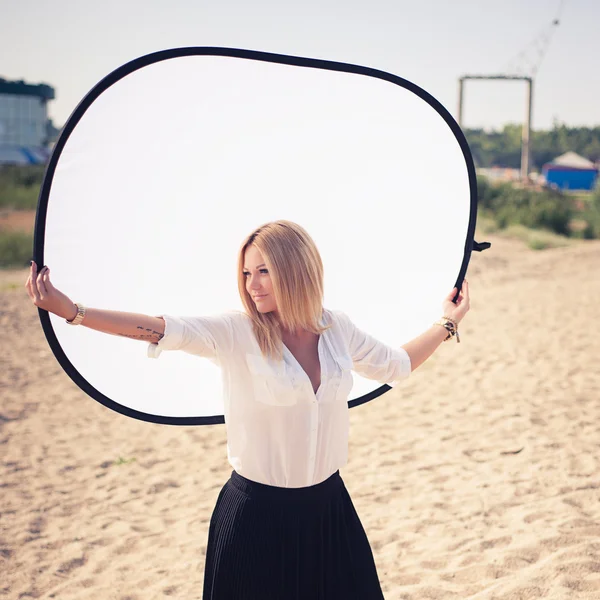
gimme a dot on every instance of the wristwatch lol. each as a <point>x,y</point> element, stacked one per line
<point>79,316</point>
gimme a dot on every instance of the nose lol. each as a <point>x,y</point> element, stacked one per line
<point>254,283</point>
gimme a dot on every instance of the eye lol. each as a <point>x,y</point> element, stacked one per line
<point>264,270</point>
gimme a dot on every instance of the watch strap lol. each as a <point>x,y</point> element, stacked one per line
<point>79,316</point>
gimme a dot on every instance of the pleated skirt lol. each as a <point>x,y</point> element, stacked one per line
<point>274,543</point>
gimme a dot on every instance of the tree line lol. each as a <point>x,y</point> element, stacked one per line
<point>503,148</point>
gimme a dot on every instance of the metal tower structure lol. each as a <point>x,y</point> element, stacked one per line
<point>523,67</point>
<point>526,133</point>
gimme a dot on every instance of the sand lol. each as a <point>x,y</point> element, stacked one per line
<point>477,478</point>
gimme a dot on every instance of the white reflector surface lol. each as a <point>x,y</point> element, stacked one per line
<point>164,169</point>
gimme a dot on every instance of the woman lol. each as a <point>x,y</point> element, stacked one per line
<point>284,526</point>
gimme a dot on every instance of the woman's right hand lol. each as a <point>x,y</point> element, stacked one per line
<point>44,295</point>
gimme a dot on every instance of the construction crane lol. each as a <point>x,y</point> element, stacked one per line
<point>524,67</point>
<point>528,61</point>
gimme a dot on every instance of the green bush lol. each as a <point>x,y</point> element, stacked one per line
<point>537,244</point>
<point>19,198</point>
<point>487,193</point>
<point>16,248</point>
<point>26,175</point>
<point>20,186</point>
<point>511,205</point>
<point>591,215</point>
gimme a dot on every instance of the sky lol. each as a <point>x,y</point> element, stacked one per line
<point>73,44</point>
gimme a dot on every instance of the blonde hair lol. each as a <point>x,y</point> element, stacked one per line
<point>296,271</point>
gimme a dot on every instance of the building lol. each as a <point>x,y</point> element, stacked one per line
<point>570,172</point>
<point>24,125</point>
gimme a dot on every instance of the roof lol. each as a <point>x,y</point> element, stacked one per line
<point>573,161</point>
<point>22,155</point>
<point>20,88</point>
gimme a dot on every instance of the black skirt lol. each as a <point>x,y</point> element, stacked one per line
<point>274,543</point>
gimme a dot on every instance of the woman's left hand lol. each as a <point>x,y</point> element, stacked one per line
<point>459,310</point>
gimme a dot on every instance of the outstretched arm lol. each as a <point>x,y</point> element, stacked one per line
<point>423,346</point>
<point>131,325</point>
<point>135,326</point>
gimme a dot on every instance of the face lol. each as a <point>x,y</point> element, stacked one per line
<point>258,280</point>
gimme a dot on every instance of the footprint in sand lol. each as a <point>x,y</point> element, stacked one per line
<point>534,517</point>
<point>37,525</point>
<point>497,542</point>
<point>68,566</point>
<point>521,558</point>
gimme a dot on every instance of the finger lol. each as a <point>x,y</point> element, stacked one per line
<point>41,285</point>
<point>28,288</point>
<point>34,284</point>
<point>47,281</point>
<point>45,275</point>
<point>34,290</point>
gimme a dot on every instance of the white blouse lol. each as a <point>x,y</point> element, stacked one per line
<point>280,432</point>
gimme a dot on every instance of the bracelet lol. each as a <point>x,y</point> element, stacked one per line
<point>79,316</point>
<point>451,326</point>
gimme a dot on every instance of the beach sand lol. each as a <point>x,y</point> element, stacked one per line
<point>477,478</point>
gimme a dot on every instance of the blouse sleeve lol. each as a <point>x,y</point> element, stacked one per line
<point>374,359</point>
<point>209,337</point>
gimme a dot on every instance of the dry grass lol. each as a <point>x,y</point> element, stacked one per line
<point>535,239</point>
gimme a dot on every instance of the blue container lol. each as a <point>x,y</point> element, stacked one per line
<point>570,179</point>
